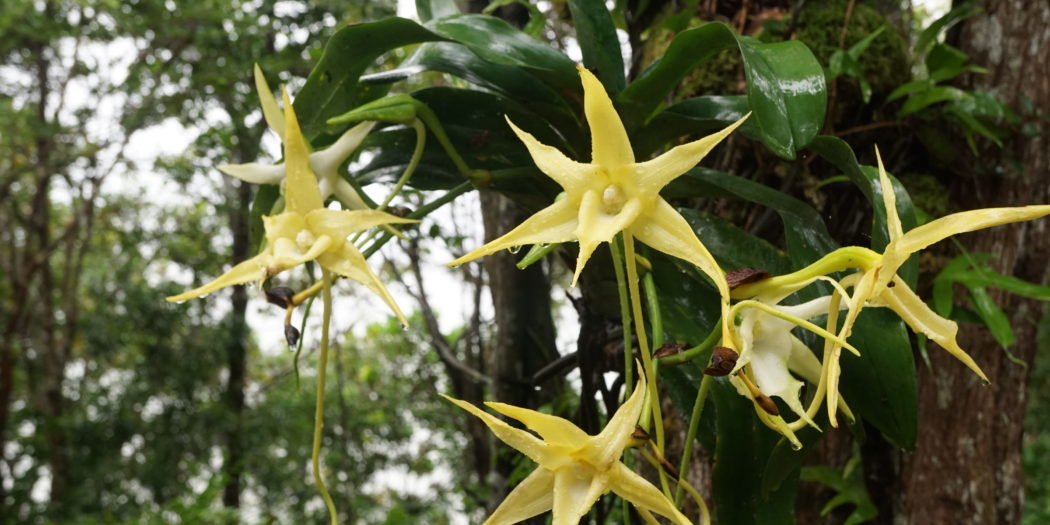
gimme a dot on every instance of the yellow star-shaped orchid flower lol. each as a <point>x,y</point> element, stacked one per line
<point>575,468</point>
<point>612,193</point>
<point>324,163</point>
<point>307,230</point>
<point>877,282</point>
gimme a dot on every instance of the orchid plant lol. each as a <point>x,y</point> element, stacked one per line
<point>774,340</point>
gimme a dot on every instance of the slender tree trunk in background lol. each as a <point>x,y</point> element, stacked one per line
<point>236,352</point>
<point>524,338</point>
<point>967,464</point>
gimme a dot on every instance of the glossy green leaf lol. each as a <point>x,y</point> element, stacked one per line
<point>694,116</point>
<point>786,88</point>
<point>333,86</point>
<point>741,452</point>
<point>787,93</point>
<point>475,125</point>
<point>880,384</point>
<point>733,247</point>
<point>599,43</point>
<point>806,235</point>
<point>512,82</point>
<point>501,43</point>
<point>994,318</point>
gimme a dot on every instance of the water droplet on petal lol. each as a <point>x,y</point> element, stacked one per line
<point>514,249</point>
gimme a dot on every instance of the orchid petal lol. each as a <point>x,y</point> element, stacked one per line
<point>554,430</point>
<point>521,440</point>
<point>607,447</point>
<point>555,223</point>
<point>630,486</point>
<point>255,173</point>
<point>944,227</point>
<point>271,113</point>
<point>533,496</point>
<point>566,172</point>
<point>901,299</point>
<point>326,162</point>
<point>349,263</point>
<point>664,229</point>
<point>596,226</point>
<point>654,174</point>
<point>889,200</point>
<point>574,493</point>
<point>301,191</point>
<point>609,144</point>
<point>341,223</point>
<point>347,194</point>
<point>770,368</point>
<point>254,269</point>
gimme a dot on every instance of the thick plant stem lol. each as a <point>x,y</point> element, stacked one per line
<point>656,321</point>
<point>322,365</point>
<point>689,354</point>
<point>643,348</point>
<point>625,313</point>
<point>690,436</point>
<point>413,163</point>
<point>628,350</point>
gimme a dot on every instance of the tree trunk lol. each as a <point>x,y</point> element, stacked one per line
<point>967,464</point>
<point>524,338</point>
<point>236,352</point>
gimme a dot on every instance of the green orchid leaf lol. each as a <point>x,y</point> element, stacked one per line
<point>805,233</point>
<point>741,451</point>
<point>512,82</point>
<point>908,88</point>
<point>929,36</point>
<point>501,43</point>
<point>944,56</point>
<point>880,384</point>
<point>333,87</point>
<point>733,247</point>
<point>694,116</point>
<point>688,303</point>
<point>599,43</point>
<point>850,489</point>
<point>930,97</point>
<point>786,88</point>
<point>992,315</point>
<point>474,122</point>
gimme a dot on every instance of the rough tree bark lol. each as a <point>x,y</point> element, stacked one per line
<point>967,464</point>
<point>523,342</point>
